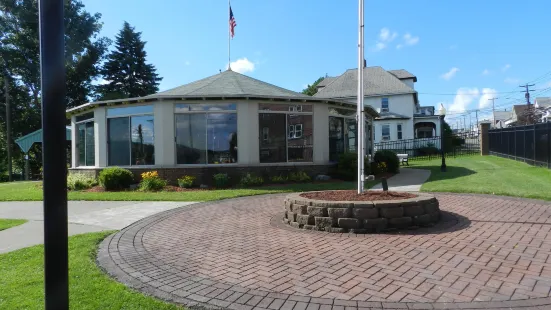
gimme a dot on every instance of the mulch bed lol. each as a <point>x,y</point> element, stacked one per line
<point>352,195</point>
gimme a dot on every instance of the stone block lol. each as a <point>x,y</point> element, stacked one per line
<point>365,213</point>
<point>376,225</point>
<point>434,216</point>
<point>292,216</point>
<point>322,223</point>
<point>422,220</point>
<point>309,227</point>
<point>336,230</point>
<point>400,222</point>
<point>305,219</point>
<point>299,209</point>
<point>348,223</point>
<point>317,211</point>
<point>431,207</point>
<point>286,221</point>
<point>413,210</point>
<point>295,225</point>
<point>392,212</point>
<point>339,212</point>
<point>287,205</point>
<point>357,231</point>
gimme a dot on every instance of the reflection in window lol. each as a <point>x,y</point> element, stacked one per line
<point>342,136</point>
<point>300,146</point>
<point>133,110</point>
<point>86,144</point>
<point>273,149</point>
<point>183,108</point>
<point>203,138</point>
<point>385,132</point>
<point>282,107</point>
<point>131,141</point>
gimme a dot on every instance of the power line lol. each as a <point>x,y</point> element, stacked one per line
<point>527,95</point>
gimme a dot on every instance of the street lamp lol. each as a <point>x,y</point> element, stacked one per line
<point>442,112</point>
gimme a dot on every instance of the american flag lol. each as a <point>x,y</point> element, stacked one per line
<point>232,23</point>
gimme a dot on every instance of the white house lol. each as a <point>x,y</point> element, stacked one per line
<point>543,105</point>
<point>391,93</point>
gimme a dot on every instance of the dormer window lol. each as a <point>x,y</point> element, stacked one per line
<point>384,105</point>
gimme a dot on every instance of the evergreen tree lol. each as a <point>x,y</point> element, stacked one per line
<point>312,89</point>
<point>125,72</point>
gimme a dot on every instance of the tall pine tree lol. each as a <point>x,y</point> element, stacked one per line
<point>125,72</point>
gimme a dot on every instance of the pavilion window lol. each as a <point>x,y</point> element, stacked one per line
<point>85,140</point>
<point>342,132</point>
<point>291,133</point>
<point>206,133</point>
<point>130,136</point>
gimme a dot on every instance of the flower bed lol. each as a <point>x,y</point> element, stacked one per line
<point>307,211</point>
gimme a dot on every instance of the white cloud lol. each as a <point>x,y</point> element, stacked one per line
<point>511,81</point>
<point>450,74</point>
<point>385,36</point>
<point>487,93</point>
<point>486,72</point>
<point>410,40</point>
<point>505,68</point>
<point>242,65</point>
<point>463,98</point>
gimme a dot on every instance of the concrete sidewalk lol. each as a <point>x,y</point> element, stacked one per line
<point>84,217</point>
<point>408,180</point>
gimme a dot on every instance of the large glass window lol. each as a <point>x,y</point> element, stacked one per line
<point>385,132</point>
<point>206,133</point>
<point>342,136</point>
<point>286,133</point>
<point>384,104</point>
<point>130,138</point>
<point>86,144</point>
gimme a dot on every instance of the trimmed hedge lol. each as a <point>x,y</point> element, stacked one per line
<point>388,157</point>
<point>115,178</point>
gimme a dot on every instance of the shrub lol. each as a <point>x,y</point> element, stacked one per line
<point>115,178</point>
<point>221,180</point>
<point>388,157</point>
<point>299,176</point>
<point>379,168</point>
<point>347,167</point>
<point>4,177</point>
<point>80,181</point>
<point>279,179</point>
<point>251,180</point>
<point>151,182</point>
<point>187,181</point>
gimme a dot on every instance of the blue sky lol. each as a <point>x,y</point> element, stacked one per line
<point>468,50</point>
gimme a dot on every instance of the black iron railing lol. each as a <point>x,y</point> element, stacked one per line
<point>456,144</point>
<point>530,144</point>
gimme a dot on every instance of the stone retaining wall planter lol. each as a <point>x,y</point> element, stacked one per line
<point>361,216</point>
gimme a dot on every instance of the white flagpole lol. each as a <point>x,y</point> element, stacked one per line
<point>360,101</point>
<point>229,36</point>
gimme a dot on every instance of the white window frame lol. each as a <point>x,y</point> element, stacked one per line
<point>298,132</point>
<point>399,131</point>
<point>291,133</point>
<point>383,137</point>
<point>383,109</point>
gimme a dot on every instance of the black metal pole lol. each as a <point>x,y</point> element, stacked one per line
<point>8,126</point>
<point>52,75</point>
<point>443,166</point>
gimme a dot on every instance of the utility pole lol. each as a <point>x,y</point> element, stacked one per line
<point>493,112</point>
<point>527,95</point>
<point>477,124</point>
<point>8,126</point>
<point>531,112</point>
<point>464,124</point>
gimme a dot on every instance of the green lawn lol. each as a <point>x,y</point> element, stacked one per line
<point>5,223</point>
<point>31,191</point>
<point>22,276</point>
<point>487,175</point>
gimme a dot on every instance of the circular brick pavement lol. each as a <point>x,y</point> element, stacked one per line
<point>494,254</point>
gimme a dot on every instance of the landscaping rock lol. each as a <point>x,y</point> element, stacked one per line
<point>431,207</point>
<point>400,222</point>
<point>308,227</point>
<point>376,225</point>
<point>323,223</point>
<point>392,212</point>
<point>422,220</point>
<point>413,210</point>
<point>339,212</point>
<point>286,221</point>
<point>365,213</point>
<point>305,219</point>
<point>316,211</point>
<point>299,209</point>
<point>292,216</point>
<point>288,206</point>
<point>322,177</point>
<point>349,223</point>
<point>295,225</point>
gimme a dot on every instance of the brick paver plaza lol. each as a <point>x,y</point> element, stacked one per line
<point>491,252</point>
